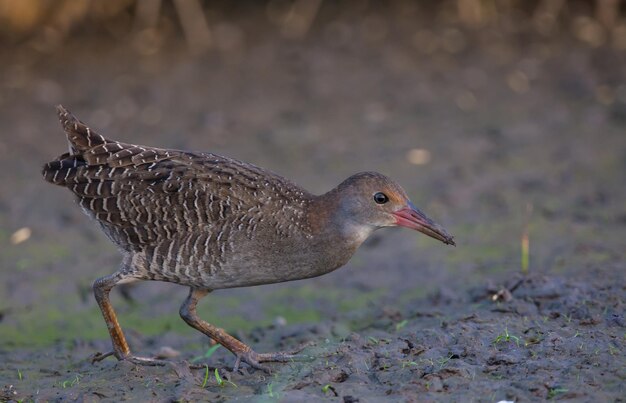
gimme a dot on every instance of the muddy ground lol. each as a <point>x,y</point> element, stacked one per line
<point>515,132</point>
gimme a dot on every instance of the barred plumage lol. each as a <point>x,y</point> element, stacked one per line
<point>162,204</point>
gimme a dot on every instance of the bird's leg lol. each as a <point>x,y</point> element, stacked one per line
<point>242,351</point>
<point>101,289</point>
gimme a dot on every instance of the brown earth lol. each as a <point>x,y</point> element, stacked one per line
<point>518,133</point>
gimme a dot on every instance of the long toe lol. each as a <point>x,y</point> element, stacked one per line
<point>100,356</point>
<point>286,356</point>
<point>255,359</point>
<point>153,362</point>
<point>182,369</point>
<point>279,356</point>
<point>150,362</point>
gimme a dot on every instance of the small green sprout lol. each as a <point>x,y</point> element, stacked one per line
<point>442,361</point>
<point>19,374</point>
<point>553,392</point>
<point>525,253</point>
<point>208,353</point>
<point>506,337</point>
<point>270,389</point>
<point>206,376</point>
<point>328,387</point>
<point>221,382</point>
<point>218,378</point>
<point>71,382</point>
<point>401,324</point>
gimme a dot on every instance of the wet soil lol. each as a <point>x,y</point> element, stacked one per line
<point>495,133</point>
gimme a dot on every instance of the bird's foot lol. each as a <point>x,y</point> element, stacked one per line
<point>181,368</point>
<point>153,362</point>
<point>255,359</point>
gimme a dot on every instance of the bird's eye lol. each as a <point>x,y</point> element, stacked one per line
<point>380,198</point>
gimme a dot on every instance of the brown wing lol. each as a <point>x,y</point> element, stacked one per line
<point>143,194</point>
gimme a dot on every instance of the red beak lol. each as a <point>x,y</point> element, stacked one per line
<point>411,217</point>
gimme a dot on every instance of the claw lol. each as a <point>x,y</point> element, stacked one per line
<point>237,363</point>
<point>250,358</point>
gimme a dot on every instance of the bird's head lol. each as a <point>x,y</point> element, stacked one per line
<point>369,200</point>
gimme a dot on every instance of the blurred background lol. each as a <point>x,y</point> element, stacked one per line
<point>505,121</point>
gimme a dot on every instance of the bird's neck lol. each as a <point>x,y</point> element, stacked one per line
<point>328,221</point>
<point>329,240</point>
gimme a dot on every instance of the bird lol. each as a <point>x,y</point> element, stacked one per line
<point>211,222</point>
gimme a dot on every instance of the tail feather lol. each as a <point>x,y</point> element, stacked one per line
<point>91,155</point>
<point>80,137</point>
<point>63,170</point>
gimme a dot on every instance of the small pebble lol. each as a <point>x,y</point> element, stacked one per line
<point>280,321</point>
<point>21,235</point>
<point>167,352</point>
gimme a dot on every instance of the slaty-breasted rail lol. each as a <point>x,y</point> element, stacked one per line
<point>210,222</point>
